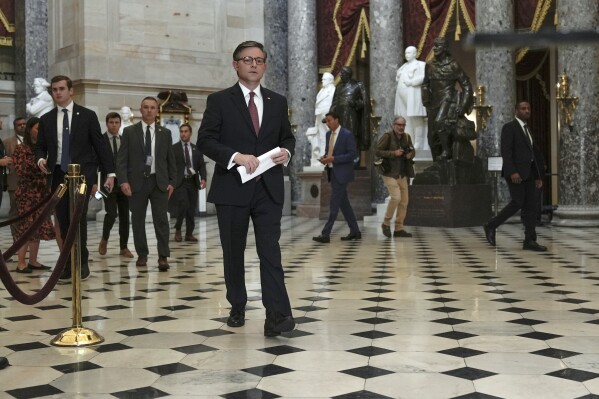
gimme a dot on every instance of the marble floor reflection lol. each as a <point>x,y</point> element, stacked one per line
<point>439,315</point>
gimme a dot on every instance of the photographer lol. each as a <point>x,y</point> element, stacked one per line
<point>397,151</point>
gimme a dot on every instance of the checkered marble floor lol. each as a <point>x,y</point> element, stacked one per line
<point>440,315</point>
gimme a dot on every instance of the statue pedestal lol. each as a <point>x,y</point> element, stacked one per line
<point>462,205</point>
<point>310,205</point>
<point>358,191</point>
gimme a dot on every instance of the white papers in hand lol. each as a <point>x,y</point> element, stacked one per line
<point>265,163</point>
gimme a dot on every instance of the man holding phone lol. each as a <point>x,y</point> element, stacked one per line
<point>115,202</point>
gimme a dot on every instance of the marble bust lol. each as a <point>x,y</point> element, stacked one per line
<point>408,101</point>
<point>42,102</point>
<point>317,134</point>
<point>126,118</point>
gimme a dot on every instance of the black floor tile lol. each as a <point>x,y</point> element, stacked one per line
<point>469,373</point>
<point>574,375</point>
<point>367,372</point>
<point>167,369</point>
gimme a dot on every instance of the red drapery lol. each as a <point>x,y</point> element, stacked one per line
<point>343,32</point>
<point>7,22</point>
<point>343,25</point>
<point>425,20</point>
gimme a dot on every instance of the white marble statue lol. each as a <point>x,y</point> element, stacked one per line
<point>408,101</point>
<point>126,118</point>
<point>317,134</point>
<point>42,102</point>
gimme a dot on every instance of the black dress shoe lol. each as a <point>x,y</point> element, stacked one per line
<point>236,318</point>
<point>401,233</point>
<point>40,267</point>
<point>533,246</point>
<point>322,239</point>
<point>275,324</point>
<point>66,273</point>
<point>489,234</point>
<point>352,236</point>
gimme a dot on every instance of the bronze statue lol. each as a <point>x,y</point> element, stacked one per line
<point>444,104</point>
<point>351,103</point>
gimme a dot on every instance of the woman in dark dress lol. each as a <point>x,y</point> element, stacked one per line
<point>32,188</point>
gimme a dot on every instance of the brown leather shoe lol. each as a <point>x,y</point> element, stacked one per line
<point>142,260</point>
<point>190,238</point>
<point>178,236</point>
<point>102,247</point>
<point>126,253</point>
<point>163,264</point>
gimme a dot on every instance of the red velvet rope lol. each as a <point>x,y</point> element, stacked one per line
<point>5,276</point>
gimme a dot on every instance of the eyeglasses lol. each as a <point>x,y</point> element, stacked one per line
<point>250,60</point>
<point>399,124</point>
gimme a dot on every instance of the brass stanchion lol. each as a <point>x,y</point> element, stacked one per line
<point>77,335</point>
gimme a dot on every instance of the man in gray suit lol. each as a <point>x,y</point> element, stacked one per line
<point>146,172</point>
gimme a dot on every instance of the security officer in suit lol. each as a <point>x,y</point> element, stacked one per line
<point>523,170</point>
<point>191,176</point>
<point>146,173</point>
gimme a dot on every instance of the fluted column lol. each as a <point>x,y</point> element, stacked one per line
<point>275,41</point>
<point>303,79</point>
<point>495,70</point>
<point>386,54</point>
<point>31,49</point>
<point>578,153</point>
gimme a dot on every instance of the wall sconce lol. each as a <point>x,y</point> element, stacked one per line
<point>375,120</point>
<point>293,125</point>
<point>483,110</point>
<point>567,103</point>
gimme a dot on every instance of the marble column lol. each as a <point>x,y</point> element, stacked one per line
<point>275,42</point>
<point>386,55</point>
<point>303,80</point>
<point>31,49</point>
<point>578,153</point>
<point>495,70</point>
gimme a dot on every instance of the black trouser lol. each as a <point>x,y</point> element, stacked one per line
<point>233,223</point>
<point>525,197</point>
<point>116,202</point>
<point>186,201</point>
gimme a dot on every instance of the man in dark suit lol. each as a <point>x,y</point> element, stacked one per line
<point>240,123</point>
<point>115,203</point>
<point>523,170</point>
<point>191,176</point>
<point>146,172</point>
<point>70,133</point>
<point>339,164</point>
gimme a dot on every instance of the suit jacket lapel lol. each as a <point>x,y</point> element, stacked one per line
<point>75,122</point>
<point>267,109</point>
<point>140,139</point>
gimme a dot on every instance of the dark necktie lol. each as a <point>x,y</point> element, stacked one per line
<point>187,160</point>
<point>148,168</point>
<point>254,113</point>
<point>65,158</point>
<point>114,148</point>
<point>528,136</point>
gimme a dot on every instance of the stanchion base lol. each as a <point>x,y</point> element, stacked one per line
<point>77,337</point>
